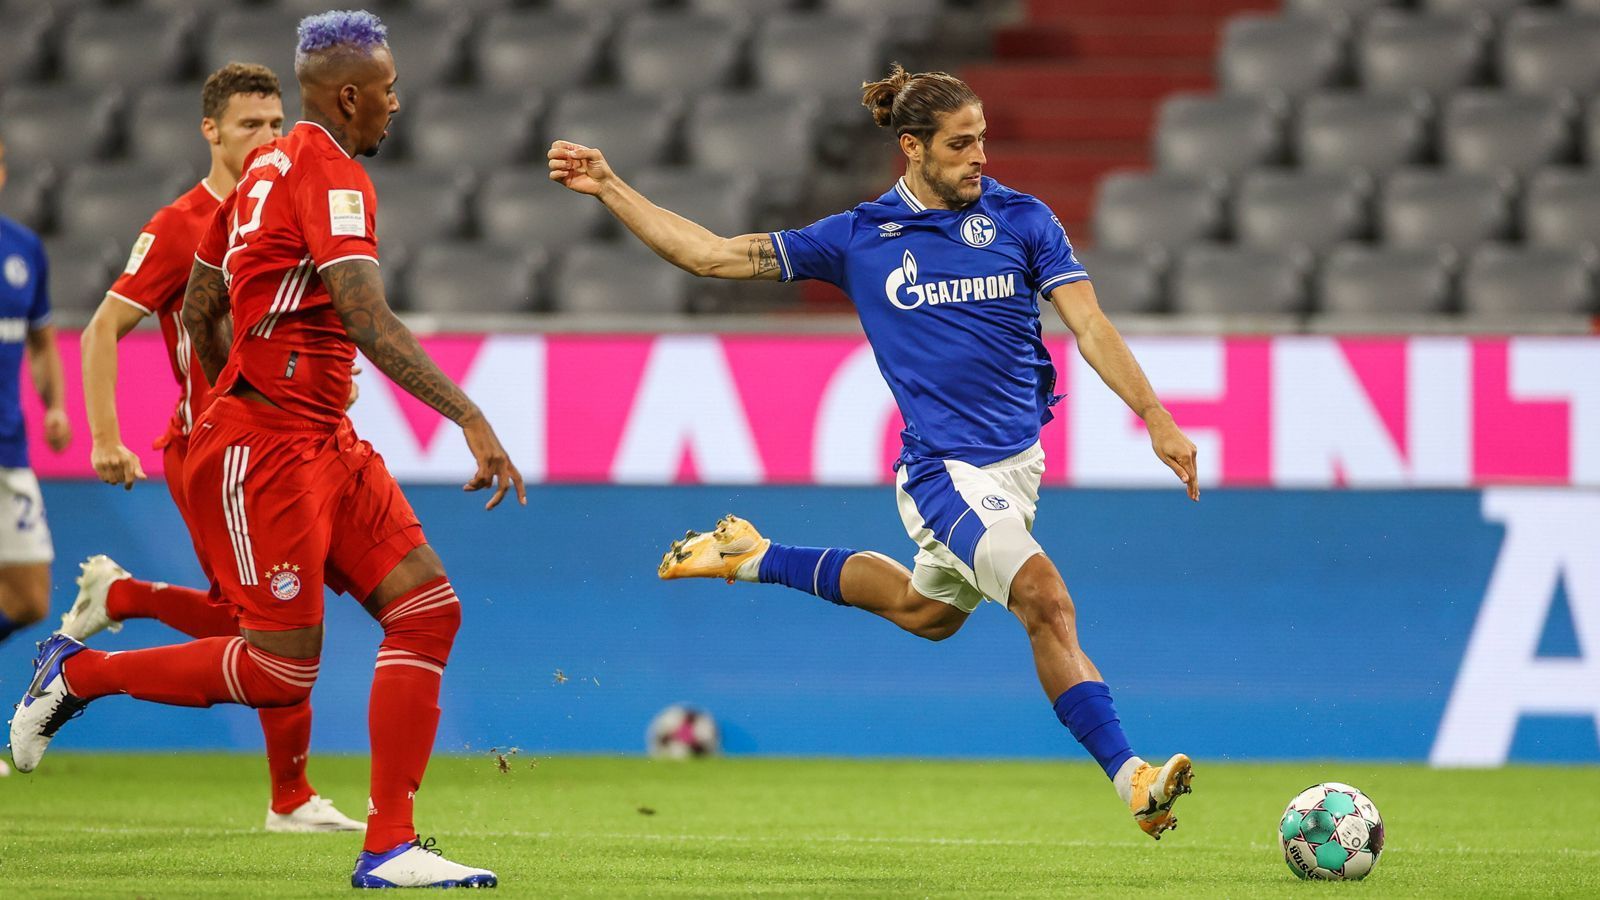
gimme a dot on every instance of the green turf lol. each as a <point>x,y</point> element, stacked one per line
<point>188,826</point>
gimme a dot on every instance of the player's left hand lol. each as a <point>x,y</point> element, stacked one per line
<point>57,429</point>
<point>355,388</point>
<point>495,468</point>
<point>1175,449</point>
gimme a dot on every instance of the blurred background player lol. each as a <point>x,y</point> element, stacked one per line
<point>945,270</point>
<point>241,108</point>
<point>285,497</point>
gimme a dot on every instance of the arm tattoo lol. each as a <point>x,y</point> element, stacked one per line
<point>357,293</point>
<point>205,318</point>
<point>763,257</point>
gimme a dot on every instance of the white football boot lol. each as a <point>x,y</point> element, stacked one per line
<point>316,814</point>
<point>45,705</point>
<point>88,616</point>
<point>416,864</point>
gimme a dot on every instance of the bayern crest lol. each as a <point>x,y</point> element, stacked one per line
<point>283,581</point>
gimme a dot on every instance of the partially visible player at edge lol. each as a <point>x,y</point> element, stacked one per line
<point>946,270</point>
<point>286,497</point>
<point>241,108</point>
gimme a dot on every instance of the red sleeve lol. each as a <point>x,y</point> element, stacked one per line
<point>214,240</point>
<point>338,212</point>
<point>158,266</point>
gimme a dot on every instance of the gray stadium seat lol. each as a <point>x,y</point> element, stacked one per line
<point>163,125</point>
<point>543,50</point>
<point>771,136</point>
<point>1483,131</point>
<point>126,46</point>
<point>1127,281</point>
<point>1375,132</point>
<point>1513,281</point>
<point>1134,210</point>
<point>470,7</point>
<point>722,202</point>
<point>522,207</point>
<point>909,20</point>
<point>608,6</point>
<point>263,36</point>
<point>1350,8</point>
<point>474,278</point>
<point>26,197</point>
<point>1399,51</point>
<point>482,129</point>
<point>679,52</point>
<point>1545,52</point>
<point>1360,279</point>
<point>1561,208</point>
<point>632,130</point>
<point>742,7</point>
<point>24,48</point>
<point>1199,133</point>
<point>81,271</point>
<point>1583,6</point>
<point>816,54</point>
<point>113,200</point>
<point>602,278</point>
<point>1466,7</point>
<point>1431,208</point>
<point>420,205</point>
<point>1591,132</point>
<point>1264,54</point>
<point>60,125</point>
<point>1215,280</point>
<point>428,47</point>
<point>1281,209</point>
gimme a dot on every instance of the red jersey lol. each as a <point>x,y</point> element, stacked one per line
<point>153,282</point>
<point>302,205</point>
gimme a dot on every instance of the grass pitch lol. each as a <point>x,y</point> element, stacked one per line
<point>189,826</point>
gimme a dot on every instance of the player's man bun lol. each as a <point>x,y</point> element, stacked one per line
<point>236,78</point>
<point>913,104</point>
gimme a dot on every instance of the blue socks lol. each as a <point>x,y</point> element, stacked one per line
<point>7,627</point>
<point>815,570</point>
<point>1087,712</point>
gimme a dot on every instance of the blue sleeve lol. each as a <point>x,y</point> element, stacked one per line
<point>815,251</point>
<point>39,309</point>
<point>1051,262</point>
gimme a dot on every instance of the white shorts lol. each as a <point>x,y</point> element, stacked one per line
<point>974,525</point>
<point>24,533</point>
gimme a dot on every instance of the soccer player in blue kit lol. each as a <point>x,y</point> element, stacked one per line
<point>946,271</point>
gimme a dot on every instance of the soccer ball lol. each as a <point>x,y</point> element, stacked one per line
<point>682,732</point>
<point>1331,832</point>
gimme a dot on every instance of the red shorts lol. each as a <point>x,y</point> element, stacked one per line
<point>174,452</point>
<point>282,506</point>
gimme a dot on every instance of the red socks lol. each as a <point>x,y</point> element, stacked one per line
<point>288,732</point>
<point>186,609</point>
<point>199,673</point>
<point>403,715</point>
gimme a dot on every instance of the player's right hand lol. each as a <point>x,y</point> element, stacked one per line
<point>494,464</point>
<point>116,464</point>
<point>583,169</point>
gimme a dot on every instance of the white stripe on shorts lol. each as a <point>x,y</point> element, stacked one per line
<point>235,462</point>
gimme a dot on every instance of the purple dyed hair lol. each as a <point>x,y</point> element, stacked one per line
<point>355,29</point>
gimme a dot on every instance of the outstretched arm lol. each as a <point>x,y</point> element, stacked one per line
<point>205,317</point>
<point>1104,349</point>
<point>356,290</point>
<point>685,244</point>
<point>113,462</point>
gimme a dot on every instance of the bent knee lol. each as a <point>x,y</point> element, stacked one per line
<point>940,623</point>
<point>1043,607</point>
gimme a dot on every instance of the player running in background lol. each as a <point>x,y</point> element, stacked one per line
<point>241,108</point>
<point>286,498</point>
<point>946,271</point>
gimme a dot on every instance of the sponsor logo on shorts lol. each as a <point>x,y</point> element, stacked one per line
<point>996,502</point>
<point>283,581</point>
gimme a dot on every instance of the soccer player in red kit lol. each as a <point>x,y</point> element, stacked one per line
<point>286,498</point>
<point>241,109</point>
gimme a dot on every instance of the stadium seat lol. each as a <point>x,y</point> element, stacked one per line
<point>24,48</point>
<point>607,6</point>
<point>1512,282</point>
<point>111,201</point>
<point>761,133</point>
<point>1202,133</point>
<point>1399,51</point>
<point>470,7</point>
<point>522,207</point>
<point>1545,52</point>
<point>1127,281</point>
<point>722,202</point>
<point>814,54</point>
<point>1483,131</point>
<point>1217,280</point>
<point>605,278</point>
<point>428,47</point>
<point>1374,132</point>
<point>59,125</point>
<point>743,7</point>
<point>1360,279</point>
<point>482,129</point>
<point>633,130</point>
<point>1561,208</point>
<point>1345,8</point>
<point>254,35</point>
<point>81,271</point>
<point>26,197</point>
<point>907,20</point>
<point>1135,210</point>
<point>543,50</point>
<point>474,278</point>
<point>1591,133</point>
<point>1282,209</point>
<point>1264,54</point>
<point>164,126</point>
<point>1467,7</point>
<point>126,46</point>
<point>679,52</point>
<point>420,205</point>
<point>1430,208</point>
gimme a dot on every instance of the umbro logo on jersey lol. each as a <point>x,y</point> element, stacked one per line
<point>890,229</point>
<point>904,292</point>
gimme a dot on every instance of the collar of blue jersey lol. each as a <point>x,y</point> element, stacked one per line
<point>904,190</point>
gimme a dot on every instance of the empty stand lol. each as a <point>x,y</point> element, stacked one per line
<point>421,205</point>
<point>126,46</point>
<point>522,207</point>
<point>1348,130</point>
<point>1200,134</point>
<point>1272,54</point>
<point>1561,207</point>
<point>1134,211</point>
<point>539,50</point>
<point>1545,51</point>
<point>633,130</point>
<point>1363,280</point>
<point>604,279</point>
<point>1426,208</point>
<point>680,52</point>
<point>1282,209</point>
<point>482,129</point>
<point>474,278</point>
<point>1127,281</point>
<point>1399,51</point>
<point>59,125</point>
<point>163,126</point>
<point>723,203</point>
<point>111,201</point>
<point>1515,281</point>
<point>1214,280</point>
<point>813,54</point>
<point>81,271</point>
<point>1483,131</point>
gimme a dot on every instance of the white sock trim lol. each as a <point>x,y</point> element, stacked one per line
<point>1123,780</point>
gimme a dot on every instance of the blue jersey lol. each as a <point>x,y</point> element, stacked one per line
<point>24,306</point>
<point>949,300</point>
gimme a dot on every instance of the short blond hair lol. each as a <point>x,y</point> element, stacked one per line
<point>236,78</point>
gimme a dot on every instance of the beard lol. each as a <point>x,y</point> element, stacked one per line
<point>954,193</point>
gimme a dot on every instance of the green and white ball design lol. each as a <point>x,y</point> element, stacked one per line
<point>1331,832</point>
